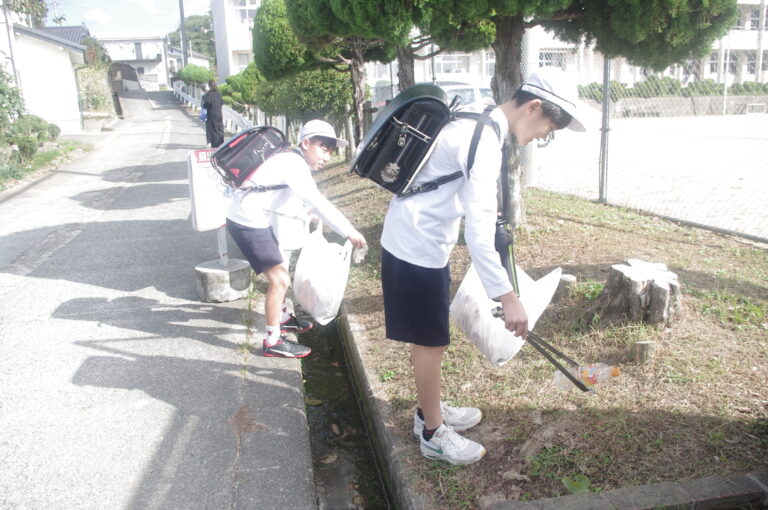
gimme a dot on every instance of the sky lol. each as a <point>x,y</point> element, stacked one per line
<point>129,17</point>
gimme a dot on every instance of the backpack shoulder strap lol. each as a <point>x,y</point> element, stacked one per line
<point>481,122</point>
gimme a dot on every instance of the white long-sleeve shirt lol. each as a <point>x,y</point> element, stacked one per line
<point>423,229</point>
<point>255,209</point>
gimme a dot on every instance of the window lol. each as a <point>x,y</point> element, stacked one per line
<point>752,62</point>
<point>753,20</point>
<point>765,61</point>
<point>490,63</point>
<point>714,62</point>
<point>140,70</point>
<point>137,50</point>
<point>552,59</point>
<point>452,63</point>
<point>246,10</point>
<point>242,60</point>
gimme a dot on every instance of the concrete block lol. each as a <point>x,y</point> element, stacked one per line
<point>660,496</point>
<point>567,281</point>
<point>218,284</point>
<point>514,505</point>
<point>722,492</point>
<point>592,501</point>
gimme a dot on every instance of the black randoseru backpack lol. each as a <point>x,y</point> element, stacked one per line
<point>397,145</point>
<point>238,158</point>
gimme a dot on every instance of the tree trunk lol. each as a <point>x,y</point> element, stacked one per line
<point>641,292</point>
<point>357,68</point>
<point>506,79</point>
<point>405,72</point>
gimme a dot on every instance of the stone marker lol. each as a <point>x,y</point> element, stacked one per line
<point>217,283</point>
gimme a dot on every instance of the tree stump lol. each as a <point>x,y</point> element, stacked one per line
<point>640,291</point>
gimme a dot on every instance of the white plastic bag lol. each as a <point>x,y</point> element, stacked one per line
<point>321,276</point>
<point>471,311</point>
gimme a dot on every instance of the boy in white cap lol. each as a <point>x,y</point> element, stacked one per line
<point>421,230</point>
<point>281,178</point>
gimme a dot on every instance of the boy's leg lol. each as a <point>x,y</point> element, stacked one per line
<point>426,362</point>
<point>279,281</point>
<point>278,346</point>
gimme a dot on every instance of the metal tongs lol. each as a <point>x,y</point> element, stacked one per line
<point>504,246</point>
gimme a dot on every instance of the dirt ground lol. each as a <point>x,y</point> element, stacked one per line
<point>698,407</point>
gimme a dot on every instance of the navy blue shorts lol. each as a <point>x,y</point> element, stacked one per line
<point>259,245</point>
<point>415,302</point>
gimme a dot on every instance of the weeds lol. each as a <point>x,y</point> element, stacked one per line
<point>12,169</point>
<point>701,396</point>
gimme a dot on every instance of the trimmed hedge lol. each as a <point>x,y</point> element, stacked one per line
<point>669,87</point>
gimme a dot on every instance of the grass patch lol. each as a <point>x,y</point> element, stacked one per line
<point>732,310</point>
<point>699,407</point>
<point>12,172</point>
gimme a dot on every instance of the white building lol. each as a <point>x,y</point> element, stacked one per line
<point>232,25</point>
<point>146,54</point>
<point>743,49</point>
<point>44,67</point>
<point>176,60</point>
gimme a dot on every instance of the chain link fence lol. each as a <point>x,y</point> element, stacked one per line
<point>680,147</point>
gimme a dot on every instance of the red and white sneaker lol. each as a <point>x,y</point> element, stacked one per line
<point>285,348</point>
<point>295,325</point>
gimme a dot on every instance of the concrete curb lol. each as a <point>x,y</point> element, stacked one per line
<point>747,491</point>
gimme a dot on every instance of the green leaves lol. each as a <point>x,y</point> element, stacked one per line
<point>195,75</point>
<point>577,484</point>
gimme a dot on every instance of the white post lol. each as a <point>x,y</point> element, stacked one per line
<point>222,240</point>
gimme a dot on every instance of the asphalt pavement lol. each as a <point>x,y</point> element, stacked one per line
<point>120,388</point>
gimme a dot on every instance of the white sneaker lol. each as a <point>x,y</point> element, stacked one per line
<point>458,418</point>
<point>451,447</point>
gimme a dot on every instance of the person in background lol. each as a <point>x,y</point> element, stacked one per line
<point>214,123</point>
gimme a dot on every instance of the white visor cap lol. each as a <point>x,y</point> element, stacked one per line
<point>554,85</point>
<point>319,127</point>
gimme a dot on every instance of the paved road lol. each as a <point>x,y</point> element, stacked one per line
<point>708,170</point>
<point>120,389</point>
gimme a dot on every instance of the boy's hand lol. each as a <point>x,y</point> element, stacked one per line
<point>357,239</point>
<point>515,318</point>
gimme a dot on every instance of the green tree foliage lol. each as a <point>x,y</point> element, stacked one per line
<point>277,50</point>
<point>297,35</point>
<point>195,75</point>
<point>300,97</point>
<point>11,103</point>
<point>199,31</point>
<point>307,95</point>
<point>244,86</point>
<point>649,34</point>
<point>95,54</point>
<point>34,11</point>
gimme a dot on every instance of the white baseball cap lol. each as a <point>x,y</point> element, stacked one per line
<point>319,127</point>
<point>554,85</point>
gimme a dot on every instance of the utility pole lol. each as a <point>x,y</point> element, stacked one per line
<point>183,32</point>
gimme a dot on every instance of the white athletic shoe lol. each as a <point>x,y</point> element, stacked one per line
<point>451,447</point>
<point>458,418</point>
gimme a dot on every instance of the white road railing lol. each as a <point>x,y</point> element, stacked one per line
<point>233,121</point>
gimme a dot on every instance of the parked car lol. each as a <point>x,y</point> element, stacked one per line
<point>466,92</point>
<point>381,94</point>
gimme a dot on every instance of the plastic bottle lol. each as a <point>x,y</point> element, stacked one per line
<point>590,375</point>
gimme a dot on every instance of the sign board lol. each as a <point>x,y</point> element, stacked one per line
<point>208,195</point>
